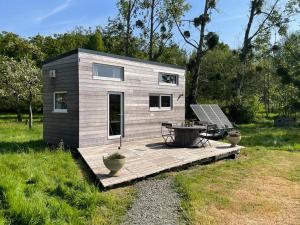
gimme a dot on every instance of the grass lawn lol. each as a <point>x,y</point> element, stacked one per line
<point>261,187</point>
<point>39,185</point>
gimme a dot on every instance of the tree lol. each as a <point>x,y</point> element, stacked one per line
<point>206,41</point>
<point>287,61</point>
<point>56,44</point>
<point>265,15</point>
<point>14,46</point>
<point>8,88</point>
<point>118,34</point>
<point>20,80</point>
<point>127,11</point>
<point>95,41</point>
<point>157,22</point>
<point>219,66</point>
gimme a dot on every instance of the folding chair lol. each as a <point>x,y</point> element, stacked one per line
<point>208,134</point>
<point>167,132</point>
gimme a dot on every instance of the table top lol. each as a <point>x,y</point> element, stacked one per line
<point>189,128</point>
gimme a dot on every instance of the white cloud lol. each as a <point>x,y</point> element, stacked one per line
<point>229,18</point>
<point>54,11</point>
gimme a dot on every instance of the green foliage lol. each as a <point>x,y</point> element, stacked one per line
<point>13,46</point>
<point>57,44</point>
<point>20,81</point>
<point>39,185</point>
<point>218,69</point>
<point>95,42</point>
<point>240,113</point>
<point>116,155</point>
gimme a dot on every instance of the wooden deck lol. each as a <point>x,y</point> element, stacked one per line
<point>150,156</point>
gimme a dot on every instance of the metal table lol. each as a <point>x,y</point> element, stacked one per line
<point>187,136</point>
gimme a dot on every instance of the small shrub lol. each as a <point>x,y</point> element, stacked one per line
<point>234,133</point>
<point>116,155</point>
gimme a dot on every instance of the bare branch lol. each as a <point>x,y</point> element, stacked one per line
<point>264,21</point>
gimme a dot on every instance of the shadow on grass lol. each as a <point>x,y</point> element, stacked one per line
<point>22,147</point>
<point>271,137</point>
<point>270,140</point>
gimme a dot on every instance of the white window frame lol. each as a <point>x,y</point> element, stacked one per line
<point>111,137</point>
<point>59,110</point>
<point>168,84</point>
<point>107,78</point>
<point>160,108</point>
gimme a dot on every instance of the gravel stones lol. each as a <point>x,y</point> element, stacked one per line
<point>156,203</point>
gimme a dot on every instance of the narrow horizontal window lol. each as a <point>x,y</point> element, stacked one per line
<point>160,102</point>
<point>168,79</point>
<point>108,72</point>
<point>60,102</point>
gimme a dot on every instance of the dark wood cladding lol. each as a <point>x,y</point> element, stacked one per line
<point>85,123</point>
<point>61,126</point>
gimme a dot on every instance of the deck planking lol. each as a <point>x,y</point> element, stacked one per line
<point>147,157</point>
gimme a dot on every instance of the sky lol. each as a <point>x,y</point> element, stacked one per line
<point>30,17</point>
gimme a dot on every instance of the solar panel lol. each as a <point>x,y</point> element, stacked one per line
<point>201,114</point>
<point>212,114</point>
<point>222,116</point>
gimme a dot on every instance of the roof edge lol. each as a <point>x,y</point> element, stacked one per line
<point>93,52</point>
<point>72,52</point>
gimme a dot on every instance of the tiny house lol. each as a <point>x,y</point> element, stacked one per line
<point>93,98</point>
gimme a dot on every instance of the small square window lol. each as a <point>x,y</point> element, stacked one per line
<point>60,102</point>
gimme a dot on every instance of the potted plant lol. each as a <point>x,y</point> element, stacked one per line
<point>114,163</point>
<point>234,137</point>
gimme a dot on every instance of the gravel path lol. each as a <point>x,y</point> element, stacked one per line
<point>156,203</point>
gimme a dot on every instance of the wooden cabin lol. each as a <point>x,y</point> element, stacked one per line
<point>93,98</point>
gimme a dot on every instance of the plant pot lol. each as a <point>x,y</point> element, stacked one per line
<point>234,140</point>
<point>114,165</point>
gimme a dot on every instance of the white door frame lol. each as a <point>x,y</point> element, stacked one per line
<point>121,114</point>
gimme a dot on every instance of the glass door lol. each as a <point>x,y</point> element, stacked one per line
<point>115,115</point>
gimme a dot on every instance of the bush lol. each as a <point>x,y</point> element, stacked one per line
<point>240,113</point>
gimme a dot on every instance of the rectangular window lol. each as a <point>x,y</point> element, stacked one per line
<point>108,72</point>
<point>168,79</point>
<point>160,102</point>
<point>60,102</point>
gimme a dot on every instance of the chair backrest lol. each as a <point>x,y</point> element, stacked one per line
<point>166,124</point>
<point>212,114</point>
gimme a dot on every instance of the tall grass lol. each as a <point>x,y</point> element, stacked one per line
<point>39,185</point>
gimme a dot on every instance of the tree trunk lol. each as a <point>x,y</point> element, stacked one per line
<point>19,115</point>
<point>245,51</point>
<point>151,31</point>
<point>128,28</point>
<point>30,116</point>
<point>199,56</point>
<point>30,111</point>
